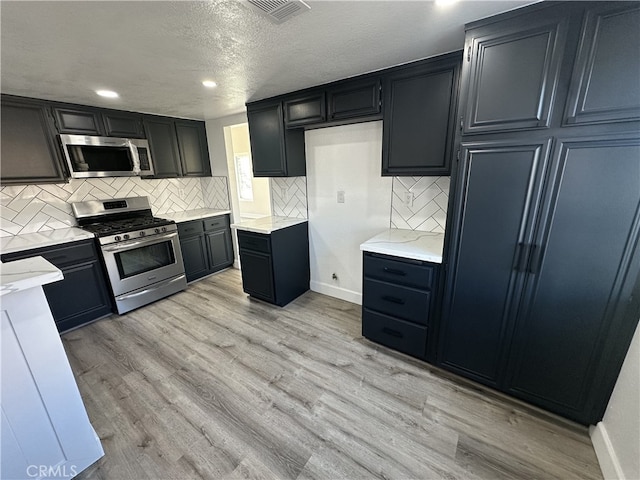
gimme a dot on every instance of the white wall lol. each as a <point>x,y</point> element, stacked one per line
<point>345,158</point>
<point>216,143</point>
<point>616,438</point>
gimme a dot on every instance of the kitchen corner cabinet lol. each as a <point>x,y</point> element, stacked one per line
<point>541,300</point>
<point>275,266</point>
<point>398,302</point>
<point>178,147</point>
<point>83,295</point>
<point>419,119</point>
<point>206,246</point>
<point>30,153</point>
<point>275,150</point>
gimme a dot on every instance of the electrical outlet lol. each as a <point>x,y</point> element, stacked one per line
<point>408,199</point>
<point>284,193</point>
<point>181,193</point>
<point>340,196</point>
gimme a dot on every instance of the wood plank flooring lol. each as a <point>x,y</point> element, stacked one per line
<point>212,384</point>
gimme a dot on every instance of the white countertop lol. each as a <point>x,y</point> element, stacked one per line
<point>27,273</point>
<point>267,224</point>
<point>412,244</point>
<point>27,241</point>
<point>189,215</point>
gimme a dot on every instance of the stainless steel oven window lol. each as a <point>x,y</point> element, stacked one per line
<point>144,259</point>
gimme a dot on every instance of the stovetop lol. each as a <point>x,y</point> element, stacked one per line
<point>124,225</point>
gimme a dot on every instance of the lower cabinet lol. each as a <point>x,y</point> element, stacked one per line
<point>83,295</point>
<point>398,303</point>
<point>275,266</point>
<point>206,246</point>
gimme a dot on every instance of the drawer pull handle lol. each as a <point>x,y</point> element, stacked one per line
<point>391,299</point>
<point>392,332</point>
<point>393,271</point>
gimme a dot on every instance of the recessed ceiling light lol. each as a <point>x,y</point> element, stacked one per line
<point>445,3</point>
<point>107,93</point>
<point>209,83</point>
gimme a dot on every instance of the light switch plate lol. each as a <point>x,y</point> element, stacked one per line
<point>340,196</point>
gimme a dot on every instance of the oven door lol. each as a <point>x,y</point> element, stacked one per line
<point>136,264</point>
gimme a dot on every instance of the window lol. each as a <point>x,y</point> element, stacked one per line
<point>244,176</point>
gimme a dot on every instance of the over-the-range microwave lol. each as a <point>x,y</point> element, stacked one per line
<point>92,156</point>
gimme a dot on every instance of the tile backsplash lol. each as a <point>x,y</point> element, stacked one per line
<point>420,203</point>
<point>289,197</point>
<point>34,208</point>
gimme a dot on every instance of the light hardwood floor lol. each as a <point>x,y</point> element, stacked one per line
<point>211,384</point>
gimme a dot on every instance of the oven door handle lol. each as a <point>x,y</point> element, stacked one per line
<point>147,290</point>
<point>119,247</point>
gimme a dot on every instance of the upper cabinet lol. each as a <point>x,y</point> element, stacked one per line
<point>275,150</point>
<point>606,75</point>
<point>354,98</point>
<point>420,104</point>
<point>305,110</point>
<point>178,147</point>
<point>513,73</point>
<point>92,121</point>
<point>30,153</point>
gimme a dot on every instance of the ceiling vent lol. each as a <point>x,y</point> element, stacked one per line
<point>279,11</point>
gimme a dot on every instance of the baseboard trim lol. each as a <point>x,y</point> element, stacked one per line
<point>607,458</point>
<point>336,292</point>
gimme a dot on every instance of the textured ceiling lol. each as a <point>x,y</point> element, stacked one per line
<point>156,54</point>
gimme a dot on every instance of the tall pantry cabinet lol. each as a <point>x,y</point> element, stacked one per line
<point>542,294</point>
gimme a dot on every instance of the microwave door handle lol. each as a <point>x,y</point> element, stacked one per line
<point>134,157</point>
<point>118,247</point>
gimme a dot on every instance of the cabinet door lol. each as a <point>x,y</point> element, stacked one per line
<point>29,150</point>
<point>163,143</point>
<point>220,249</point>
<point>266,131</point>
<point>80,298</point>
<point>192,143</point>
<point>257,274</point>
<point>123,124</point>
<point>606,76</point>
<point>419,117</point>
<point>305,110</point>
<point>578,271</point>
<point>513,73</point>
<point>498,184</point>
<point>194,256</point>
<point>354,99</point>
<point>78,121</point>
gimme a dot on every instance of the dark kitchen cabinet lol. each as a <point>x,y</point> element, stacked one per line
<point>192,145</point>
<point>354,99</point>
<point>79,121</point>
<point>82,296</point>
<point>398,302</point>
<point>123,124</point>
<point>163,144</point>
<point>543,261</point>
<point>275,266</point>
<point>513,72</point>
<point>275,151</point>
<point>206,246</point>
<point>30,153</point>
<point>304,110</point>
<point>606,75</point>
<point>420,103</point>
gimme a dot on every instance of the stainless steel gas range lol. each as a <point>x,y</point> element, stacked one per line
<point>141,252</point>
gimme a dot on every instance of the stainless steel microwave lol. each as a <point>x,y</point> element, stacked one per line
<point>91,156</point>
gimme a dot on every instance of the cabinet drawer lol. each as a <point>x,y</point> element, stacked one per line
<point>70,254</point>
<point>403,302</point>
<point>190,228</point>
<point>397,334</point>
<point>254,241</point>
<point>216,223</point>
<point>416,274</point>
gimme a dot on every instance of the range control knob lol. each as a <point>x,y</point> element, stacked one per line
<point>157,230</point>
<point>117,238</point>
<point>126,237</point>
<point>164,229</point>
<point>142,234</point>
